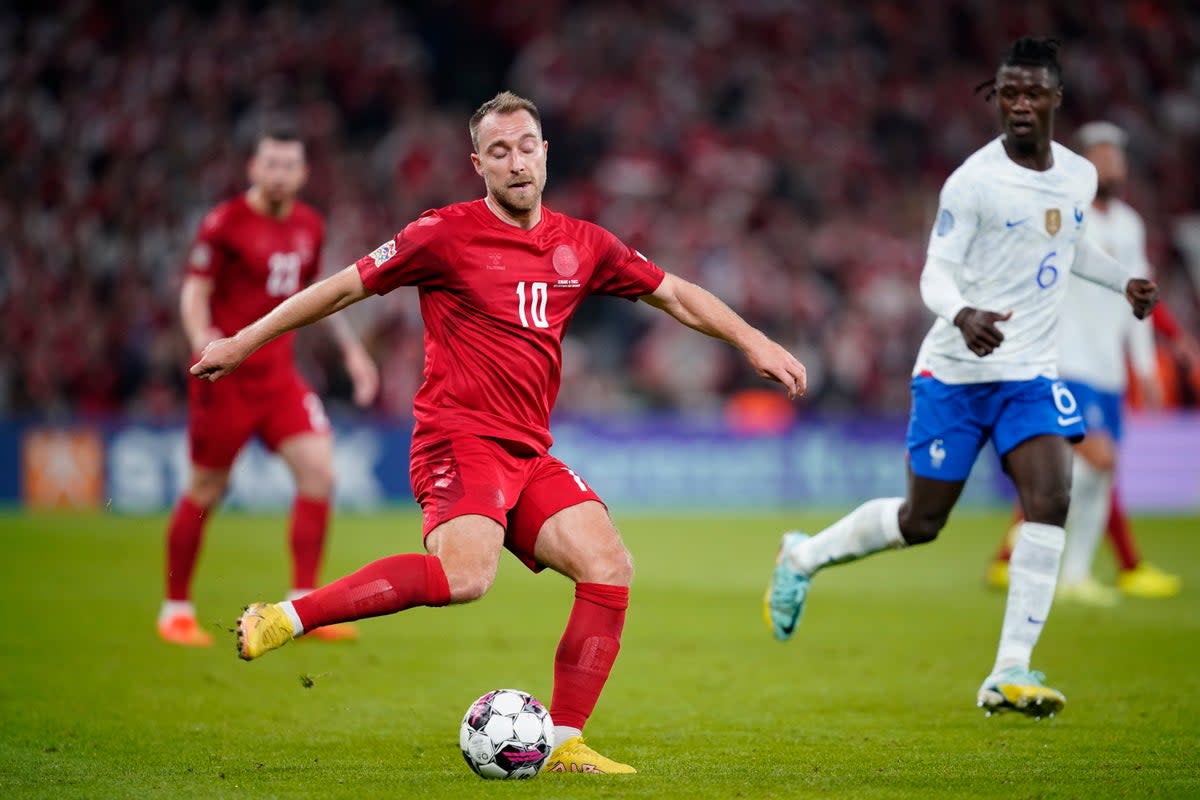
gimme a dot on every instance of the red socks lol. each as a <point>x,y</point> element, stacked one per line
<point>587,651</point>
<point>310,521</point>
<point>1120,535</point>
<point>382,587</point>
<point>184,533</point>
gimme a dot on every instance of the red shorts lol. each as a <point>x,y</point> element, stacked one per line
<point>222,416</point>
<point>472,475</point>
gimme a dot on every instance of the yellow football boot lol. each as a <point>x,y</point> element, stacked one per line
<point>575,756</point>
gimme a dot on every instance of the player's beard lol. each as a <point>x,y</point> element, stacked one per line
<point>515,205</point>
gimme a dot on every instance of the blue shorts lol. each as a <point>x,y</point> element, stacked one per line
<point>950,422</point>
<point>1101,410</point>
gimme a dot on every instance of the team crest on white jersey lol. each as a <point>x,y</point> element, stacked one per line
<point>937,453</point>
<point>1053,221</point>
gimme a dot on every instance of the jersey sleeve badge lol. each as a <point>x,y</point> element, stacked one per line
<point>201,256</point>
<point>945,222</point>
<point>382,253</point>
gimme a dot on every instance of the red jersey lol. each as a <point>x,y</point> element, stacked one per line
<point>496,300</point>
<point>255,262</point>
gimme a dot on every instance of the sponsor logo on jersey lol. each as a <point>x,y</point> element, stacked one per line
<point>937,453</point>
<point>495,261</point>
<point>566,263</point>
<point>1078,217</point>
<point>945,222</point>
<point>1053,221</point>
<point>383,252</point>
<point>1012,223</point>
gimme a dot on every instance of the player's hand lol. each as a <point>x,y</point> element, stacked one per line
<point>979,329</point>
<point>208,335</point>
<point>773,362</point>
<point>1142,295</point>
<point>363,374</point>
<point>219,358</point>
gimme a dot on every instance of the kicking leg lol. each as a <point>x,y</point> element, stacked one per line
<point>460,567</point>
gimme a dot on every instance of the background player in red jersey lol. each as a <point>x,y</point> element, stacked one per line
<point>499,279</point>
<point>251,253</point>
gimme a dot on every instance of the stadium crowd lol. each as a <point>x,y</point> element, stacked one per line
<point>785,154</point>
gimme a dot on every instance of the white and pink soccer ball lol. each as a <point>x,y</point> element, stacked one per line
<point>505,734</point>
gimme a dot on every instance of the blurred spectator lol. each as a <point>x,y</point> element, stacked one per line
<point>786,154</point>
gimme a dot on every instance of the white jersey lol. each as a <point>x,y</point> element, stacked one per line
<point>1097,325</point>
<point>1012,233</point>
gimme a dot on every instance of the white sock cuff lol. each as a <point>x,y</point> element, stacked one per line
<point>889,520</point>
<point>290,610</point>
<point>176,608</point>
<point>1039,533</point>
<point>564,732</point>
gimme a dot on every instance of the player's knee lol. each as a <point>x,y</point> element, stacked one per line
<point>315,480</point>
<point>919,528</point>
<point>1103,460</point>
<point>469,584</point>
<point>1049,508</point>
<point>205,493</point>
<point>616,569</point>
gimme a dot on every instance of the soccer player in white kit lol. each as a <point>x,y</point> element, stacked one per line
<point>1007,239</point>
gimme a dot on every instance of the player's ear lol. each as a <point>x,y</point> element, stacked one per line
<point>476,163</point>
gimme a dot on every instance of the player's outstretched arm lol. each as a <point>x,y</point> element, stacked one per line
<point>303,308</point>
<point>1095,265</point>
<point>698,308</point>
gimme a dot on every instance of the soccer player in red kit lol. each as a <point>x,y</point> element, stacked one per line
<point>251,253</point>
<point>499,279</point>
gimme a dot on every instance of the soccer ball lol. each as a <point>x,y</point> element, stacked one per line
<point>506,733</point>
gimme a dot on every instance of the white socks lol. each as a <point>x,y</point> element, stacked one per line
<point>1085,523</point>
<point>176,608</point>
<point>562,733</point>
<point>873,526</point>
<point>290,610</point>
<point>1032,571</point>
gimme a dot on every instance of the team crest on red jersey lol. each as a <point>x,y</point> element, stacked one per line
<point>566,263</point>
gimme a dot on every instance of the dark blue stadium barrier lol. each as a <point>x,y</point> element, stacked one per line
<point>658,462</point>
<point>637,463</point>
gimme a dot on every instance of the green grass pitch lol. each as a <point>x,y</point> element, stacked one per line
<point>874,698</point>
